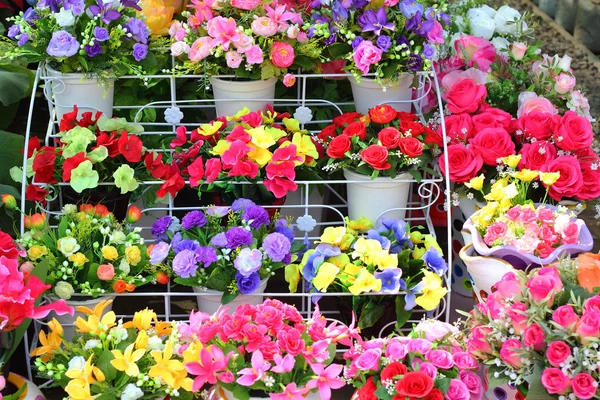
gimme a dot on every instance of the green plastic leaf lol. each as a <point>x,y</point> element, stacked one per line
<point>442,384</point>
<point>370,314</point>
<point>219,280</point>
<point>228,298</point>
<point>401,314</point>
<point>339,50</point>
<point>382,393</point>
<point>241,393</point>
<point>536,390</point>
<point>14,84</point>
<point>105,366</point>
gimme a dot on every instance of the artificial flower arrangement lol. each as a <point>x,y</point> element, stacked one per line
<point>21,289</point>
<point>109,359</point>
<point>430,363</point>
<point>394,260</point>
<point>482,138</point>
<point>231,250</point>
<point>89,151</point>
<point>267,348</point>
<point>387,39</point>
<point>99,38</point>
<point>539,330</point>
<point>266,149</point>
<point>248,39</point>
<point>383,143</point>
<point>88,253</point>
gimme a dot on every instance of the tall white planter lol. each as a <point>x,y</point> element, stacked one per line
<point>219,393</point>
<point>370,198</point>
<point>209,300</point>
<point>469,207</point>
<point>232,96</point>
<point>67,321</point>
<point>368,93</point>
<point>75,89</point>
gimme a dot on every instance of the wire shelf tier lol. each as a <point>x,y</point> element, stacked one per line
<point>303,202</point>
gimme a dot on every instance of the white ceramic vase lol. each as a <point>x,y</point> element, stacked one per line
<point>209,300</point>
<point>75,89</point>
<point>31,392</point>
<point>220,393</point>
<point>232,96</point>
<point>368,93</point>
<point>371,198</point>
<point>484,271</point>
<point>67,321</point>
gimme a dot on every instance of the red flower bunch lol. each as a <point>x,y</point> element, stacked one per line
<point>384,142</point>
<point>482,136</point>
<point>84,144</point>
<point>257,147</point>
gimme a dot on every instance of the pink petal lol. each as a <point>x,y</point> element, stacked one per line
<point>60,307</point>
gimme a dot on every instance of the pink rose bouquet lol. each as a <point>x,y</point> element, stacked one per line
<point>249,39</point>
<point>539,331</point>
<point>430,363</point>
<point>268,348</point>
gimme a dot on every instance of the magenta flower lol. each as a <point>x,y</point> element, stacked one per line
<point>291,392</point>
<point>319,351</point>
<point>211,363</point>
<point>224,31</point>
<point>326,379</point>
<point>258,371</point>
<point>283,364</point>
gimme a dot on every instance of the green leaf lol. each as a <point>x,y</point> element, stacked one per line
<point>442,384</point>
<point>337,51</point>
<point>382,393</point>
<point>416,174</point>
<point>150,114</point>
<point>304,62</point>
<point>370,314</point>
<point>5,189</point>
<point>501,380</point>
<point>219,280</point>
<point>536,390</point>
<point>241,393</point>
<point>92,275</point>
<point>62,227</point>
<point>14,83</point>
<point>105,366</point>
<point>17,394</point>
<point>228,297</point>
<point>401,314</point>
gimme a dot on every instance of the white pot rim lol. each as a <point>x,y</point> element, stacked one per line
<point>73,300</point>
<point>240,83</point>
<point>52,72</point>
<point>199,290</point>
<point>356,176</point>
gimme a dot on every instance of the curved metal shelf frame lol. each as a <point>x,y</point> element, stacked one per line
<point>428,190</point>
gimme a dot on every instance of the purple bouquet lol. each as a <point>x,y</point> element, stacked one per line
<point>387,38</point>
<point>228,249</point>
<point>99,37</point>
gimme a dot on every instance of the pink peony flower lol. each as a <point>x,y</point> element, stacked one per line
<point>584,386</point>
<point>555,381</point>
<point>509,353</point>
<point>234,59</point>
<point>254,55</point>
<point>529,101</point>
<point>282,54</point>
<point>566,317</point>
<point>365,55</point>
<point>557,352</point>
<point>289,80</point>
<point>200,49</point>
<point>264,26</point>
<point>243,43</point>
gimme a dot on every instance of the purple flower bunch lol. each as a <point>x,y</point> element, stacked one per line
<point>400,35</point>
<point>229,249</point>
<point>79,37</point>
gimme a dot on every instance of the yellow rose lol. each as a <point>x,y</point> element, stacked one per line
<point>78,258</point>
<point>476,183</point>
<point>549,178</point>
<point>36,252</point>
<point>526,175</point>
<point>512,160</point>
<point>159,14</point>
<point>110,253</point>
<point>133,254</point>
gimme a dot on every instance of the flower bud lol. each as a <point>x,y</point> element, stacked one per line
<point>9,201</point>
<point>133,214</point>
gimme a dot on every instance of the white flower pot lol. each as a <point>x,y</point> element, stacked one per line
<point>219,393</point>
<point>469,207</point>
<point>75,89</point>
<point>232,96</point>
<point>371,198</point>
<point>484,271</point>
<point>32,392</point>
<point>211,303</point>
<point>368,93</point>
<point>67,321</point>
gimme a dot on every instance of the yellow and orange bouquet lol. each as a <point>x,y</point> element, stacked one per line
<point>109,359</point>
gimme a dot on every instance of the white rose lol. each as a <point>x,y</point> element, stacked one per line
<point>481,11</point>
<point>561,222</point>
<point>77,363</point>
<point>488,10</point>
<point>124,266</point>
<point>505,18</point>
<point>118,237</point>
<point>68,246</point>
<point>155,343</point>
<point>482,26</point>
<point>119,334</point>
<point>178,48</point>
<point>92,344</point>
<point>565,63</point>
<point>64,290</point>
<point>64,18</point>
<point>69,209</point>
<point>500,44</point>
<point>292,31</point>
<point>131,392</point>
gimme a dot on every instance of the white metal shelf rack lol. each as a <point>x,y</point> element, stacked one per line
<point>417,210</point>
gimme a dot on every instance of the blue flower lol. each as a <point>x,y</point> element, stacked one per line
<point>434,260</point>
<point>247,284</point>
<point>411,296</point>
<point>390,280</point>
<point>428,51</point>
<point>242,204</point>
<point>385,242</point>
<point>384,42</point>
<point>410,8</point>
<point>258,215</point>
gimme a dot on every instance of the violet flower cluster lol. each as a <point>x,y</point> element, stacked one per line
<point>398,37</point>
<point>228,249</point>
<point>75,36</point>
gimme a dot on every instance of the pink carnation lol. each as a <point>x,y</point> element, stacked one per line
<point>365,55</point>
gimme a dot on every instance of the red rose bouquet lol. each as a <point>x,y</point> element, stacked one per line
<point>431,363</point>
<point>383,143</point>
<point>267,148</point>
<point>89,151</point>
<point>539,330</point>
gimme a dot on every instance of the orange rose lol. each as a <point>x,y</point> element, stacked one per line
<point>383,114</point>
<point>119,286</point>
<point>588,270</point>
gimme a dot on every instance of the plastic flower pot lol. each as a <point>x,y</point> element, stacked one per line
<point>374,197</point>
<point>234,95</point>
<point>67,321</point>
<point>521,260</point>
<point>224,394</point>
<point>75,89</point>
<point>209,300</point>
<point>19,388</point>
<point>368,93</point>
<point>115,202</point>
